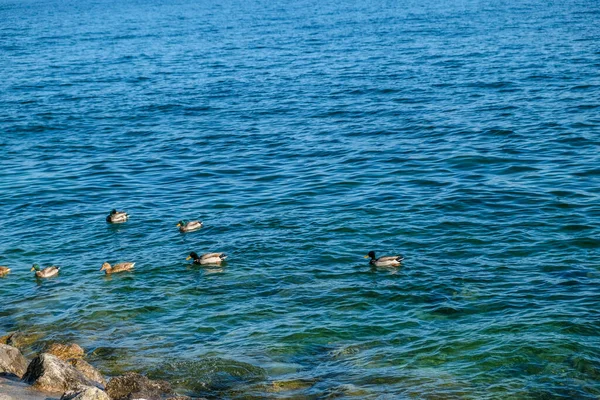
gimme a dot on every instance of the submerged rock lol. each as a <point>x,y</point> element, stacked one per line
<point>12,361</point>
<point>88,371</point>
<point>208,374</point>
<point>182,398</point>
<point>20,340</point>
<point>109,353</point>
<point>186,398</point>
<point>90,393</point>
<point>135,386</point>
<point>290,385</point>
<point>51,374</point>
<point>65,351</point>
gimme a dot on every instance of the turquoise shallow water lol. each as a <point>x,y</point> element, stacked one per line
<point>464,135</point>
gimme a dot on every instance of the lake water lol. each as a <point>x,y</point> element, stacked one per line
<point>463,134</point>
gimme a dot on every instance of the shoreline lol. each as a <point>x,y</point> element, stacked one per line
<point>53,363</point>
<point>60,371</point>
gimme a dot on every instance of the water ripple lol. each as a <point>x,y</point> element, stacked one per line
<point>462,135</point>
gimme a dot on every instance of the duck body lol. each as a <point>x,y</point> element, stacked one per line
<point>385,261</point>
<point>117,217</point>
<point>208,258</point>
<point>185,226</point>
<point>4,270</point>
<point>47,272</point>
<point>121,267</point>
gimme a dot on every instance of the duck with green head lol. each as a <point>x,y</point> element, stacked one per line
<point>47,272</point>
<point>208,258</point>
<point>185,226</point>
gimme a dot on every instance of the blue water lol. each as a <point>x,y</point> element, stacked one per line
<point>462,134</point>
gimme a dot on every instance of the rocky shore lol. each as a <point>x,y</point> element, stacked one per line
<point>60,371</point>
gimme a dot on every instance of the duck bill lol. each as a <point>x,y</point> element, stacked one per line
<point>366,257</point>
<point>32,269</point>
<point>178,225</point>
<point>188,258</point>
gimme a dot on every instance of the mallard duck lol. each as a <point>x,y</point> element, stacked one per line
<point>117,217</point>
<point>4,270</point>
<point>208,258</point>
<point>185,226</point>
<point>385,261</point>
<point>121,267</point>
<point>46,272</point>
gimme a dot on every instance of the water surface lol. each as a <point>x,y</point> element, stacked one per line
<point>464,135</point>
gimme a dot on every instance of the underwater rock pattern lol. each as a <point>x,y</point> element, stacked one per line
<point>211,373</point>
<point>135,386</point>
<point>19,340</point>
<point>65,351</point>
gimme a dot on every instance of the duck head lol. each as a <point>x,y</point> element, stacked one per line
<point>193,256</point>
<point>371,255</point>
<point>105,266</point>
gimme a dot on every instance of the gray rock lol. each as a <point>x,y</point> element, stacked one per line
<point>12,361</point>
<point>90,393</point>
<point>51,374</point>
<point>17,390</point>
<point>88,371</point>
<point>135,386</point>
